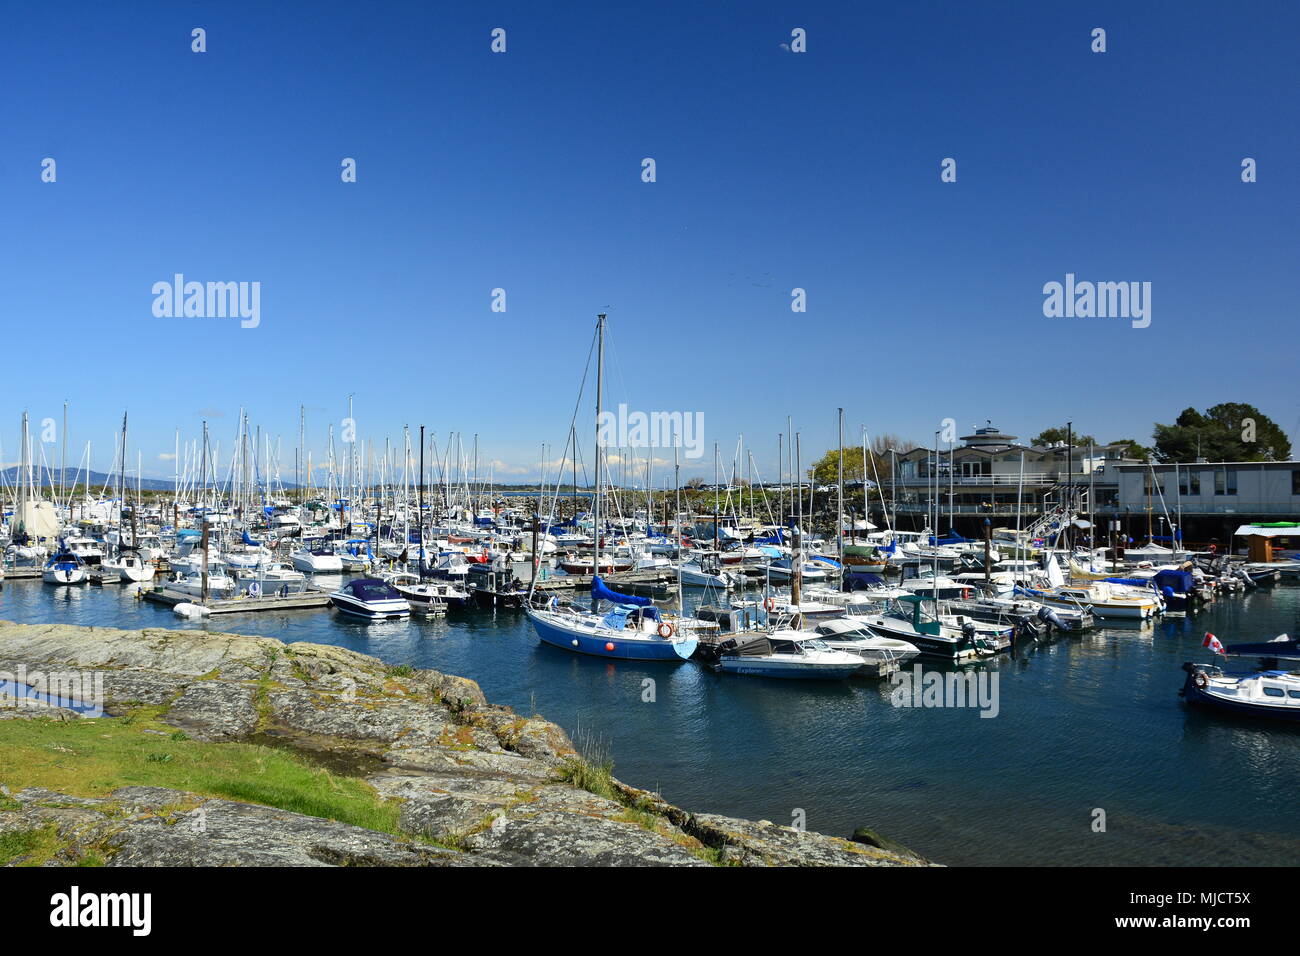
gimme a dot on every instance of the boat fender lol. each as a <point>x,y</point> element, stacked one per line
<point>666,630</point>
<point>254,589</point>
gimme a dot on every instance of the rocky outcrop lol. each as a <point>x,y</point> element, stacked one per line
<point>476,783</point>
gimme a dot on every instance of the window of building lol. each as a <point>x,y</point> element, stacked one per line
<point>1295,482</point>
<point>1225,481</point>
<point>1189,482</point>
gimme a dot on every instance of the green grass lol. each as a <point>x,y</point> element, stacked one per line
<point>597,778</point>
<point>28,847</point>
<point>93,757</point>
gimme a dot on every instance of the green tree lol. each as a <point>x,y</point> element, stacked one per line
<point>1134,449</point>
<point>1049,435</point>
<point>825,470</point>
<point>1232,431</point>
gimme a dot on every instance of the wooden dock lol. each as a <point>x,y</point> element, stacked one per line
<point>657,583</point>
<point>23,574</point>
<point>305,600</point>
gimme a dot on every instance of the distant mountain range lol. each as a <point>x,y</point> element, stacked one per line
<point>97,479</point>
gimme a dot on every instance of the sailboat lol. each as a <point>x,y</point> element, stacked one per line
<point>126,564</point>
<point>633,629</point>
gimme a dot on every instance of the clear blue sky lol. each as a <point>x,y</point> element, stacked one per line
<point>522,170</point>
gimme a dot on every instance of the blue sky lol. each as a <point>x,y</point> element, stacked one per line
<point>521,171</point>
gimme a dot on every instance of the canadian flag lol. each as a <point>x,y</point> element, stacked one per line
<point>1213,644</point>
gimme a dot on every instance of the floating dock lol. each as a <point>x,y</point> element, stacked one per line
<point>303,600</point>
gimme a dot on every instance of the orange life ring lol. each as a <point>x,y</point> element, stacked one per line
<point>665,629</point>
<point>1202,681</point>
<point>770,604</point>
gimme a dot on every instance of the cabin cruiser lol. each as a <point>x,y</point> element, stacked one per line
<point>90,551</point>
<point>128,566</point>
<point>64,567</point>
<point>356,555</point>
<point>948,637</point>
<point>806,612</point>
<point>1103,598</point>
<point>316,557</point>
<point>220,584</point>
<point>1025,615</point>
<point>425,593</point>
<point>271,577</point>
<point>705,571</point>
<point>371,599</point>
<point>784,654</point>
<point>1273,694</point>
<point>812,571</point>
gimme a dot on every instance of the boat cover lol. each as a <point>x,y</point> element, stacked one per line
<point>1288,647</point>
<point>602,593</point>
<point>1180,582</point>
<point>756,646</point>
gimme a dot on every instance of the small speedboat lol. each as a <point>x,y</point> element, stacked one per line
<point>1273,693</point>
<point>372,599</point>
<point>787,654</point>
<point>854,637</point>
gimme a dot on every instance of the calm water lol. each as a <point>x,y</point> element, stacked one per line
<point>1092,722</point>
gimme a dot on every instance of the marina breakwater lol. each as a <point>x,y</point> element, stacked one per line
<point>227,749</point>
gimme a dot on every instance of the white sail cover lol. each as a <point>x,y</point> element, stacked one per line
<point>38,519</point>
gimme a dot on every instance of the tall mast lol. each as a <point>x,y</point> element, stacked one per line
<point>600,400</point>
<point>839,520</point>
<point>63,454</point>
<point>419,512</point>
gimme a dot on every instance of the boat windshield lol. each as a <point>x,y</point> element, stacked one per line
<point>373,592</point>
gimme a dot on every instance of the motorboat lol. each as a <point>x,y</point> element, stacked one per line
<point>427,593</point>
<point>371,599</point>
<point>356,555</point>
<point>953,639</point>
<point>702,572</point>
<point>1103,598</point>
<point>784,654</point>
<point>128,566</point>
<point>316,558</point>
<point>879,654</point>
<point>1273,694</point>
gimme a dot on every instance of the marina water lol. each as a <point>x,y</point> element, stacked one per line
<point>1084,724</point>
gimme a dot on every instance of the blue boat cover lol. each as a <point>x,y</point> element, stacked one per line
<point>602,593</point>
<point>249,541</point>
<point>1181,582</point>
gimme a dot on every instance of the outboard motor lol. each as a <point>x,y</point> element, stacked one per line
<point>1049,616</point>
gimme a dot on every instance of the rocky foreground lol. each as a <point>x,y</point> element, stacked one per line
<point>478,785</point>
